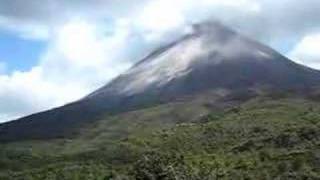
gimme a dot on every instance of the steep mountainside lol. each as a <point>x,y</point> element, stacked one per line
<point>212,59</point>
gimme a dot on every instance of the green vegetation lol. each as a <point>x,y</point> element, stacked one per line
<point>262,138</point>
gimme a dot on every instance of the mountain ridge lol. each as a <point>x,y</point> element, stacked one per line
<point>211,58</point>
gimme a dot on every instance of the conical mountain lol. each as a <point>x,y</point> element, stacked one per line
<point>213,58</point>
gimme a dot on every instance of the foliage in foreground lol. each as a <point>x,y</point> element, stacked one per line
<point>259,139</point>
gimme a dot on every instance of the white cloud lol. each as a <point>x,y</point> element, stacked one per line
<point>25,92</point>
<point>250,5</point>
<point>307,51</point>
<point>84,44</point>
<point>79,60</point>
<point>159,16</point>
<point>26,30</point>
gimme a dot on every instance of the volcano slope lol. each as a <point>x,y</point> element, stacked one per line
<point>211,105</point>
<point>212,58</point>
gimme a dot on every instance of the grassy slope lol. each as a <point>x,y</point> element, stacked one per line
<point>259,139</point>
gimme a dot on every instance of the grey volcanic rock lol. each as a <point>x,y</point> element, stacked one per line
<point>211,58</point>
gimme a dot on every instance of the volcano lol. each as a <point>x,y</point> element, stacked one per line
<point>212,58</point>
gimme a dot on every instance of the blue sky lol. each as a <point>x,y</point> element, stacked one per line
<point>18,53</point>
<point>53,58</point>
